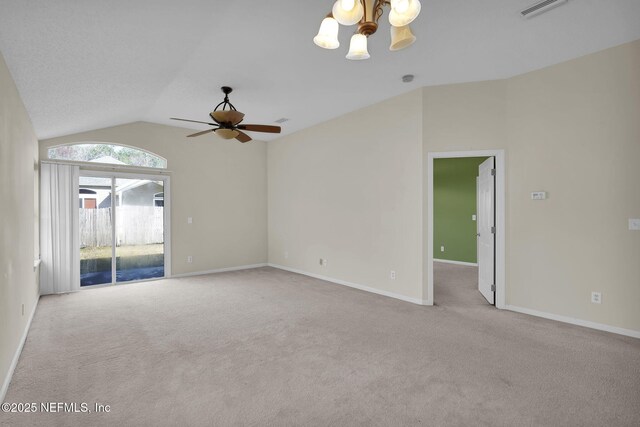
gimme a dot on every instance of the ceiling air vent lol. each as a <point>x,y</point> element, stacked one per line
<point>282,120</point>
<point>541,7</point>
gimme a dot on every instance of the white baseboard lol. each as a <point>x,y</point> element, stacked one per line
<point>573,321</point>
<point>446,261</point>
<point>352,285</point>
<point>16,356</point>
<point>218,270</point>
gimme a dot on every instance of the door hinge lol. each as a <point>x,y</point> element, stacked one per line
<point>493,230</point>
<point>493,288</point>
<point>493,172</point>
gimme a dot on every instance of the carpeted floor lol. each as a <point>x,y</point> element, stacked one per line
<point>268,347</point>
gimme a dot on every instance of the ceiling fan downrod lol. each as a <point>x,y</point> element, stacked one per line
<point>225,102</point>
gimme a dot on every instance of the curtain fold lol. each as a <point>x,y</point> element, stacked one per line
<point>59,233</point>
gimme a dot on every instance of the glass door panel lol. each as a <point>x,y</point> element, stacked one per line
<point>96,230</point>
<point>139,205</point>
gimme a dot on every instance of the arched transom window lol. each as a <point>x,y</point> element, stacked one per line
<point>107,153</point>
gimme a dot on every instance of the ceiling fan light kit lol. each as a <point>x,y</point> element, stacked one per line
<point>227,133</point>
<point>367,13</point>
<point>227,121</point>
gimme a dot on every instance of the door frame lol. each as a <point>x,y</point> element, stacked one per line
<point>165,177</point>
<point>500,264</point>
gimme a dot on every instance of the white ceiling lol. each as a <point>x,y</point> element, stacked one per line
<point>82,65</point>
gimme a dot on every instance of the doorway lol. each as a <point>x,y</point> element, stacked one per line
<point>123,227</point>
<point>491,226</point>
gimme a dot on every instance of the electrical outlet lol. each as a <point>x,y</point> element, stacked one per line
<point>473,217</point>
<point>634,224</point>
<point>596,297</point>
<point>189,220</point>
<point>441,248</point>
<point>323,262</point>
<point>392,275</point>
<point>189,259</point>
<point>286,255</point>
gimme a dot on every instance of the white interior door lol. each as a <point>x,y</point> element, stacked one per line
<point>486,229</point>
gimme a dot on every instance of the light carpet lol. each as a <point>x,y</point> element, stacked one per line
<point>269,347</point>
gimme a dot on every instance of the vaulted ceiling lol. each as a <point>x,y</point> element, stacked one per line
<point>82,65</point>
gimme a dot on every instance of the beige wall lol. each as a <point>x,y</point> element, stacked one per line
<point>574,131</point>
<point>220,184</point>
<point>571,130</point>
<point>18,195</point>
<point>349,190</point>
<point>344,190</point>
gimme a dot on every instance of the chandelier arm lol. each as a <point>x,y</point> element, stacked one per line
<point>378,9</point>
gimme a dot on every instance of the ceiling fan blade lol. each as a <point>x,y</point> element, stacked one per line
<point>243,137</point>
<point>194,121</point>
<point>260,128</point>
<point>200,133</point>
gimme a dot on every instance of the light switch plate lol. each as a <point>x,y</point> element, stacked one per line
<point>634,224</point>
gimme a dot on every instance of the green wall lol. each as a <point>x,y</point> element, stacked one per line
<point>454,203</point>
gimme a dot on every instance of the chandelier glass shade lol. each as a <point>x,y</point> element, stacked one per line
<point>327,37</point>
<point>401,37</point>
<point>404,12</point>
<point>348,12</point>
<point>367,13</point>
<point>358,47</point>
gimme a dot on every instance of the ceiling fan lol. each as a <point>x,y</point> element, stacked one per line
<point>227,121</point>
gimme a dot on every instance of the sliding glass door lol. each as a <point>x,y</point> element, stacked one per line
<point>96,230</point>
<point>123,228</point>
<point>139,229</point>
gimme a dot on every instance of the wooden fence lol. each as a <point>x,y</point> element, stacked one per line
<point>135,225</point>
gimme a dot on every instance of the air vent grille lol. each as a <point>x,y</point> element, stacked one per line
<point>282,120</point>
<point>541,7</point>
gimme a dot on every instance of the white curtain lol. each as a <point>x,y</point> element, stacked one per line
<point>59,240</point>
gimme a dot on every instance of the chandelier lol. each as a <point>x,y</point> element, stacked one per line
<point>366,14</point>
